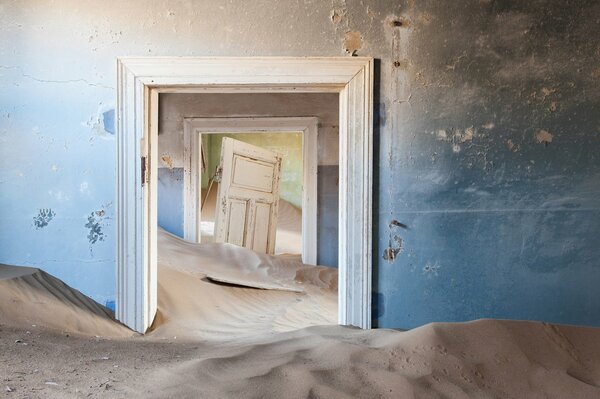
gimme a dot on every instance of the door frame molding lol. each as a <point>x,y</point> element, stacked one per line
<point>193,127</point>
<point>141,79</point>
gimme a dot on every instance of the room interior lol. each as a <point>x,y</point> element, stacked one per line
<point>457,200</point>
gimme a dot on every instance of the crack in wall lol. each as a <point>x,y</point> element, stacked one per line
<point>80,80</point>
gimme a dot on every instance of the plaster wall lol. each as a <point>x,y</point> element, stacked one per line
<point>487,137</point>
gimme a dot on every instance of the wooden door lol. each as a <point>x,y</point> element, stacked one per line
<point>248,199</point>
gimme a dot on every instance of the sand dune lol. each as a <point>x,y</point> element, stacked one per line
<point>265,293</point>
<point>482,359</point>
<point>30,296</point>
<point>228,341</point>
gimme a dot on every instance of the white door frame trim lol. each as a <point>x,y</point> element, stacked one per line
<point>140,79</point>
<point>194,127</point>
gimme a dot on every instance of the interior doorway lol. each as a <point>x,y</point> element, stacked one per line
<point>295,137</point>
<point>140,80</point>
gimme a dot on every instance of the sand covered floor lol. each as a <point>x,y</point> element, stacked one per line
<point>222,340</point>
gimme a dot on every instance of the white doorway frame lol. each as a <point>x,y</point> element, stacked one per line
<point>194,127</point>
<point>139,82</point>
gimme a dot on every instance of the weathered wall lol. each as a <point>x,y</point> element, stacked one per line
<point>486,155</point>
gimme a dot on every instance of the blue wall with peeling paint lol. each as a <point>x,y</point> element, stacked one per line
<point>487,133</point>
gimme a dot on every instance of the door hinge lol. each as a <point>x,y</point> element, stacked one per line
<point>144,170</point>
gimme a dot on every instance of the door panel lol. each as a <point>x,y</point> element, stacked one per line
<point>237,222</point>
<point>248,196</point>
<point>252,174</point>
<point>262,217</point>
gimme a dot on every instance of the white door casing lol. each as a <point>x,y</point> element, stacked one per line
<point>248,198</point>
<point>193,127</point>
<point>140,79</point>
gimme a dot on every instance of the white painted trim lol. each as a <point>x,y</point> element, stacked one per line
<point>308,126</point>
<point>351,77</point>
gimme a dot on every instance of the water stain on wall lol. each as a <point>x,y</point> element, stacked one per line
<point>43,217</point>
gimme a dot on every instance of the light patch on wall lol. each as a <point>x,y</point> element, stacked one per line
<point>543,137</point>
<point>352,42</point>
<point>167,161</point>
<point>84,188</point>
<point>58,195</point>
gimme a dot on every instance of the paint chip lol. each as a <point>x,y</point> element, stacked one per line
<point>336,17</point>
<point>108,121</point>
<point>43,217</point>
<point>352,42</point>
<point>167,160</point>
<point>543,136</point>
<point>512,146</point>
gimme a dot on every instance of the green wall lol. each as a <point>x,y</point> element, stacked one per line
<point>289,145</point>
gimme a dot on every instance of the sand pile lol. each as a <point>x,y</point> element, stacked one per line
<point>482,359</point>
<point>30,296</point>
<point>215,340</point>
<point>263,294</point>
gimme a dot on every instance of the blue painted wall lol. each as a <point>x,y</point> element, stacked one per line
<point>487,133</point>
<point>327,215</point>
<point>170,200</point>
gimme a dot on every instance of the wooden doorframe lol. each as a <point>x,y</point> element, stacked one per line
<point>141,79</point>
<point>193,127</point>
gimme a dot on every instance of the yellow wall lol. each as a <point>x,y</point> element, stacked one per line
<point>289,145</point>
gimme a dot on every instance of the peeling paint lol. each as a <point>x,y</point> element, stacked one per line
<point>94,224</point>
<point>546,92</point>
<point>352,42</point>
<point>336,16</point>
<point>467,135</point>
<point>396,243</point>
<point>543,136</point>
<point>512,146</point>
<point>167,160</point>
<point>43,217</point>
<point>108,121</point>
<point>431,269</point>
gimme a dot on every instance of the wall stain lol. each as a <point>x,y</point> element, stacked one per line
<point>395,243</point>
<point>43,217</point>
<point>512,146</point>
<point>431,269</point>
<point>336,16</point>
<point>543,137</point>
<point>94,224</point>
<point>352,42</point>
<point>167,160</point>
